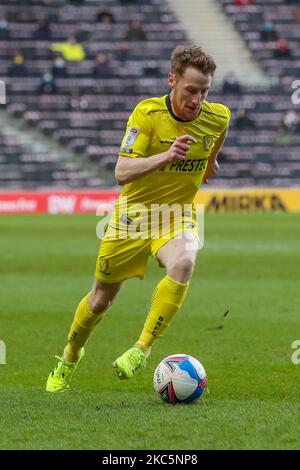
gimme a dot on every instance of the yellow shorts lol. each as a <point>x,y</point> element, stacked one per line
<point>120,259</point>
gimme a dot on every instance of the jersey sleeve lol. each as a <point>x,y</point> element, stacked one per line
<point>228,115</point>
<point>137,136</point>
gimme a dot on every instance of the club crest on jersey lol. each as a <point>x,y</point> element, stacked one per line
<point>208,141</point>
<point>131,136</point>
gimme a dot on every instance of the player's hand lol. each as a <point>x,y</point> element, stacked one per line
<point>211,170</point>
<point>180,148</point>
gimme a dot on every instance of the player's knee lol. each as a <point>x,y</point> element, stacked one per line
<point>99,303</point>
<point>182,268</point>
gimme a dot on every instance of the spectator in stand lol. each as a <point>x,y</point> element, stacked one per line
<point>136,32</point>
<point>18,67</point>
<point>282,137</point>
<point>231,85</point>
<point>244,2</point>
<point>282,50</point>
<point>268,33</point>
<point>48,85</point>
<point>123,52</point>
<point>102,67</point>
<point>4,29</point>
<point>291,121</point>
<point>71,50</point>
<point>243,121</point>
<point>43,31</point>
<point>59,67</point>
<point>290,125</point>
<point>104,15</point>
<point>77,102</point>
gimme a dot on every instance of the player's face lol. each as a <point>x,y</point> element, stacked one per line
<point>188,92</point>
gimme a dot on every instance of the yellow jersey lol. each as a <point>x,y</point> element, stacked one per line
<point>151,129</point>
<point>159,206</point>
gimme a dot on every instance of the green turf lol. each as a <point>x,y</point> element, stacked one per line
<point>249,265</point>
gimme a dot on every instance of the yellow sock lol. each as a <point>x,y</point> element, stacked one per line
<point>167,298</point>
<point>82,326</point>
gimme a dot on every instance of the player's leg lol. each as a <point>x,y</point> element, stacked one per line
<point>178,256</point>
<point>118,260</point>
<point>88,314</point>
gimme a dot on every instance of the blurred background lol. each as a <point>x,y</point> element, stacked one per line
<point>73,72</point>
<point>75,69</point>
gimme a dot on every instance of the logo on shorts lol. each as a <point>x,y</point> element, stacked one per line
<point>208,141</point>
<point>104,265</point>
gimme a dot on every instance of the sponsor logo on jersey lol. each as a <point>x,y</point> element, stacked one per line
<point>189,165</point>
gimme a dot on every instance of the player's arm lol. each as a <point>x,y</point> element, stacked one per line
<point>213,165</point>
<point>130,169</point>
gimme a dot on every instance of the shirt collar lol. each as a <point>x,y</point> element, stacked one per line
<point>169,106</point>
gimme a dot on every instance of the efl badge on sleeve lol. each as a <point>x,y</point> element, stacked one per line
<point>131,136</point>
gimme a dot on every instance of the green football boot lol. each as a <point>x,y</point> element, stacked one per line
<point>129,363</point>
<point>59,379</point>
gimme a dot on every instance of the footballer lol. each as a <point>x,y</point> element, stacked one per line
<point>170,147</point>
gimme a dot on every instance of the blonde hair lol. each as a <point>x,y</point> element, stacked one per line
<point>192,56</point>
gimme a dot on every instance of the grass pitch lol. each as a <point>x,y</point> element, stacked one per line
<point>249,266</point>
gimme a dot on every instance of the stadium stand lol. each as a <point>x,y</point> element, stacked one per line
<point>263,24</point>
<point>72,105</point>
<point>270,152</point>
